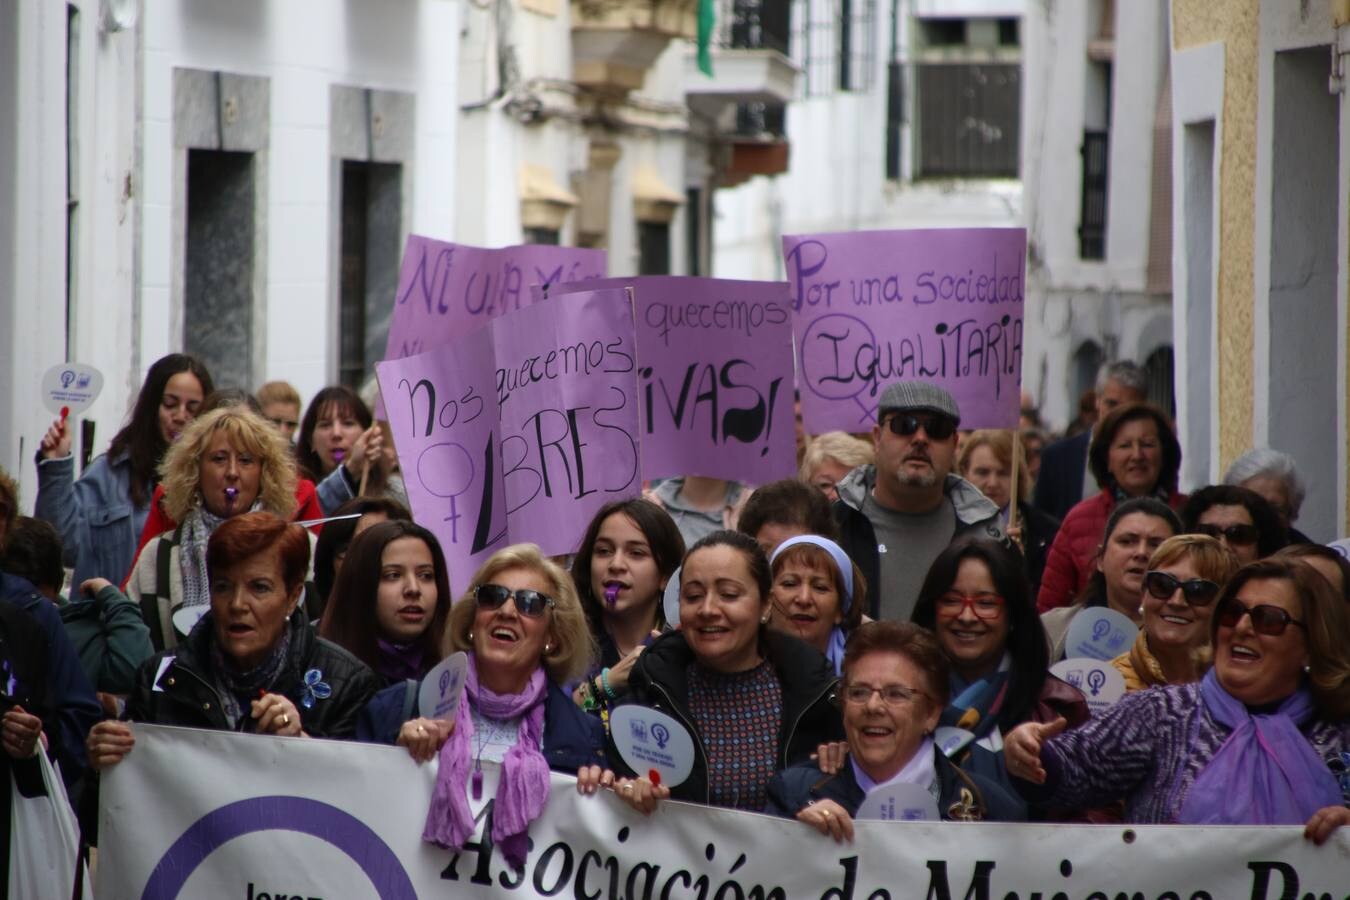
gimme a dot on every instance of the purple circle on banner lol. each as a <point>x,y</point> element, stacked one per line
<point>837,363</point>
<point>312,817</point>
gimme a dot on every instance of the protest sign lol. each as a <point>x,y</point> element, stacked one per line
<point>70,388</point>
<point>939,305</point>
<point>1099,633</point>
<point>1101,683</point>
<point>447,290</point>
<point>519,432</point>
<point>219,814</point>
<point>714,374</point>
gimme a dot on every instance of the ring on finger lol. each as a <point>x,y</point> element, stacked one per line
<point>826,813</point>
<point>627,788</point>
<point>285,719</point>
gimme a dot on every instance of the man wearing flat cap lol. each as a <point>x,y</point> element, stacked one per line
<point>896,516</point>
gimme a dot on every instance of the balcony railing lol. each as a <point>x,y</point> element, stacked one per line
<point>1092,221</point>
<point>753,25</point>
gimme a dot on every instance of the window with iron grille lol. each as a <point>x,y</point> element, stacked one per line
<point>832,44</point>
<point>1092,220</point>
<point>753,25</point>
<point>968,119</point>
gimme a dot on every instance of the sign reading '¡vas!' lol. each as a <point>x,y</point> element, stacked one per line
<point>521,431</point>
<point>937,305</point>
<point>714,376</point>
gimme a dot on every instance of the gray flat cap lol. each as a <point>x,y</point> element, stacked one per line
<point>917,395</point>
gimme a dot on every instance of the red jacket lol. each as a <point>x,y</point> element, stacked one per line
<point>158,521</point>
<point>1073,555</point>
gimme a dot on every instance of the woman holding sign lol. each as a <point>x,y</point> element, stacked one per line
<point>252,663</point>
<point>754,700</point>
<point>339,446</point>
<point>228,462</point>
<point>100,515</point>
<point>894,689</point>
<point>525,635</point>
<point>1183,580</point>
<point>391,601</point>
<point>1250,744</point>
<point>1134,453</point>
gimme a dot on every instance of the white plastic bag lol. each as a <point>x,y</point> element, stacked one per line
<point>44,840</point>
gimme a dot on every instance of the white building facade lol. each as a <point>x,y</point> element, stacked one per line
<point>228,179</point>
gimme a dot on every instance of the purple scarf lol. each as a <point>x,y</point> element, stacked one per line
<point>399,661</point>
<point>522,789</point>
<point>1266,772</point>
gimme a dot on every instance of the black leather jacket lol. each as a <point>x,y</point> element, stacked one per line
<point>182,691</point>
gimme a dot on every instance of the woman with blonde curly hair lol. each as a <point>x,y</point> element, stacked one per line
<point>525,633</point>
<point>227,462</point>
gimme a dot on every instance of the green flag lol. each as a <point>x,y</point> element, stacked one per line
<point>706,20</point>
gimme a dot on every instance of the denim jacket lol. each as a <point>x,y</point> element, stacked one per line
<point>98,523</point>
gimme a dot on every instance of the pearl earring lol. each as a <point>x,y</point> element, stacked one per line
<point>1141,609</point>
<point>471,636</point>
<point>548,648</point>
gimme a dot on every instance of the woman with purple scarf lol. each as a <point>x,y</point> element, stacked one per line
<point>1253,743</point>
<point>525,634</point>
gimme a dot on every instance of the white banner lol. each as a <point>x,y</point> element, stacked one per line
<point>213,814</point>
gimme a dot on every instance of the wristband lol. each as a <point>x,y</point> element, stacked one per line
<point>604,680</point>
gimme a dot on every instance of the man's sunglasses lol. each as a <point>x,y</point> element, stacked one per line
<point>1266,619</point>
<point>1238,535</point>
<point>528,603</point>
<point>1197,591</point>
<point>936,426</point>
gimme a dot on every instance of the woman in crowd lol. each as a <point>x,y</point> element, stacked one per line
<point>1184,577</point>
<point>1134,453</point>
<point>331,548</point>
<point>986,462</point>
<point>755,700</point>
<point>391,601</point>
<point>818,594</point>
<point>280,403</point>
<point>337,441</point>
<point>894,687</point>
<point>831,456</point>
<point>1330,564</point>
<point>100,515</point>
<point>1240,518</point>
<point>627,555</point>
<point>783,509</point>
<point>523,628</point>
<point>1247,745</point>
<point>1134,532</point>
<point>251,663</point>
<point>977,602</point>
<point>1275,477</point>
<point>228,462</point>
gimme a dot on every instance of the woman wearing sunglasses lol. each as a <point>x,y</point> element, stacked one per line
<point>894,689</point>
<point>523,629</point>
<point>977,600</point>
<point>1134,453</point>
<point>1249,744</point>
<point>1243,520</point>
<point>755,700</point>
<point>1183,580</point>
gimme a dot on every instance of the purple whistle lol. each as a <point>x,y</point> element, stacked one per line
<point>339,455</point>
<point>231,494</point>
<point>611,592</point>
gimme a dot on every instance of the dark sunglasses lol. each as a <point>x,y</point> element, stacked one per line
<point>1268,620</point>
<point>528,603</point>
<point>1197,591</point>
<point>1240,535</point>
<point>936,426</point>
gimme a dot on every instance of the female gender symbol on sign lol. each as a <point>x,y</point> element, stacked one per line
<point>446,470</point>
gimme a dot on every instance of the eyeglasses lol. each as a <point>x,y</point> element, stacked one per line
<point>1240,535</point>
<point>528,603</point>
<point>1266,619</point>
<point>985,606</point>
<point>891,694</point>
<point>936,426</point>
<point>1197,591</point>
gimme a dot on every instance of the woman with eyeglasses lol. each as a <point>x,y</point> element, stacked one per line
<point>755,700</point>
<point>1134,453</point>
<point>1243,520</point>
<point>977,600</point>
<point>1184,577</point>
<point>895,686</point>
<point>1251,743</point>
<point>525,634</point>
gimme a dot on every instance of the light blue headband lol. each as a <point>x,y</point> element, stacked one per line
<point>841,560</point>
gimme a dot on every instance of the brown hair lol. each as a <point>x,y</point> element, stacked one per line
<point>278,392</point>
<point>914,642</point>
<point>240,537</point>
<point>1100,450</point>
<point>1000,441</point>
<point>1212,558</point>
<point>816,558</point>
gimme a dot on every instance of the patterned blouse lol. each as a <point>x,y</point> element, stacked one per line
<point>740,717</point>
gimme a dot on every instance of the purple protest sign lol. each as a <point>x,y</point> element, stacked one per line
<point>447,290</point>
<point>521,431</point>
<point>938,305</point>
<point>714,374</point>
